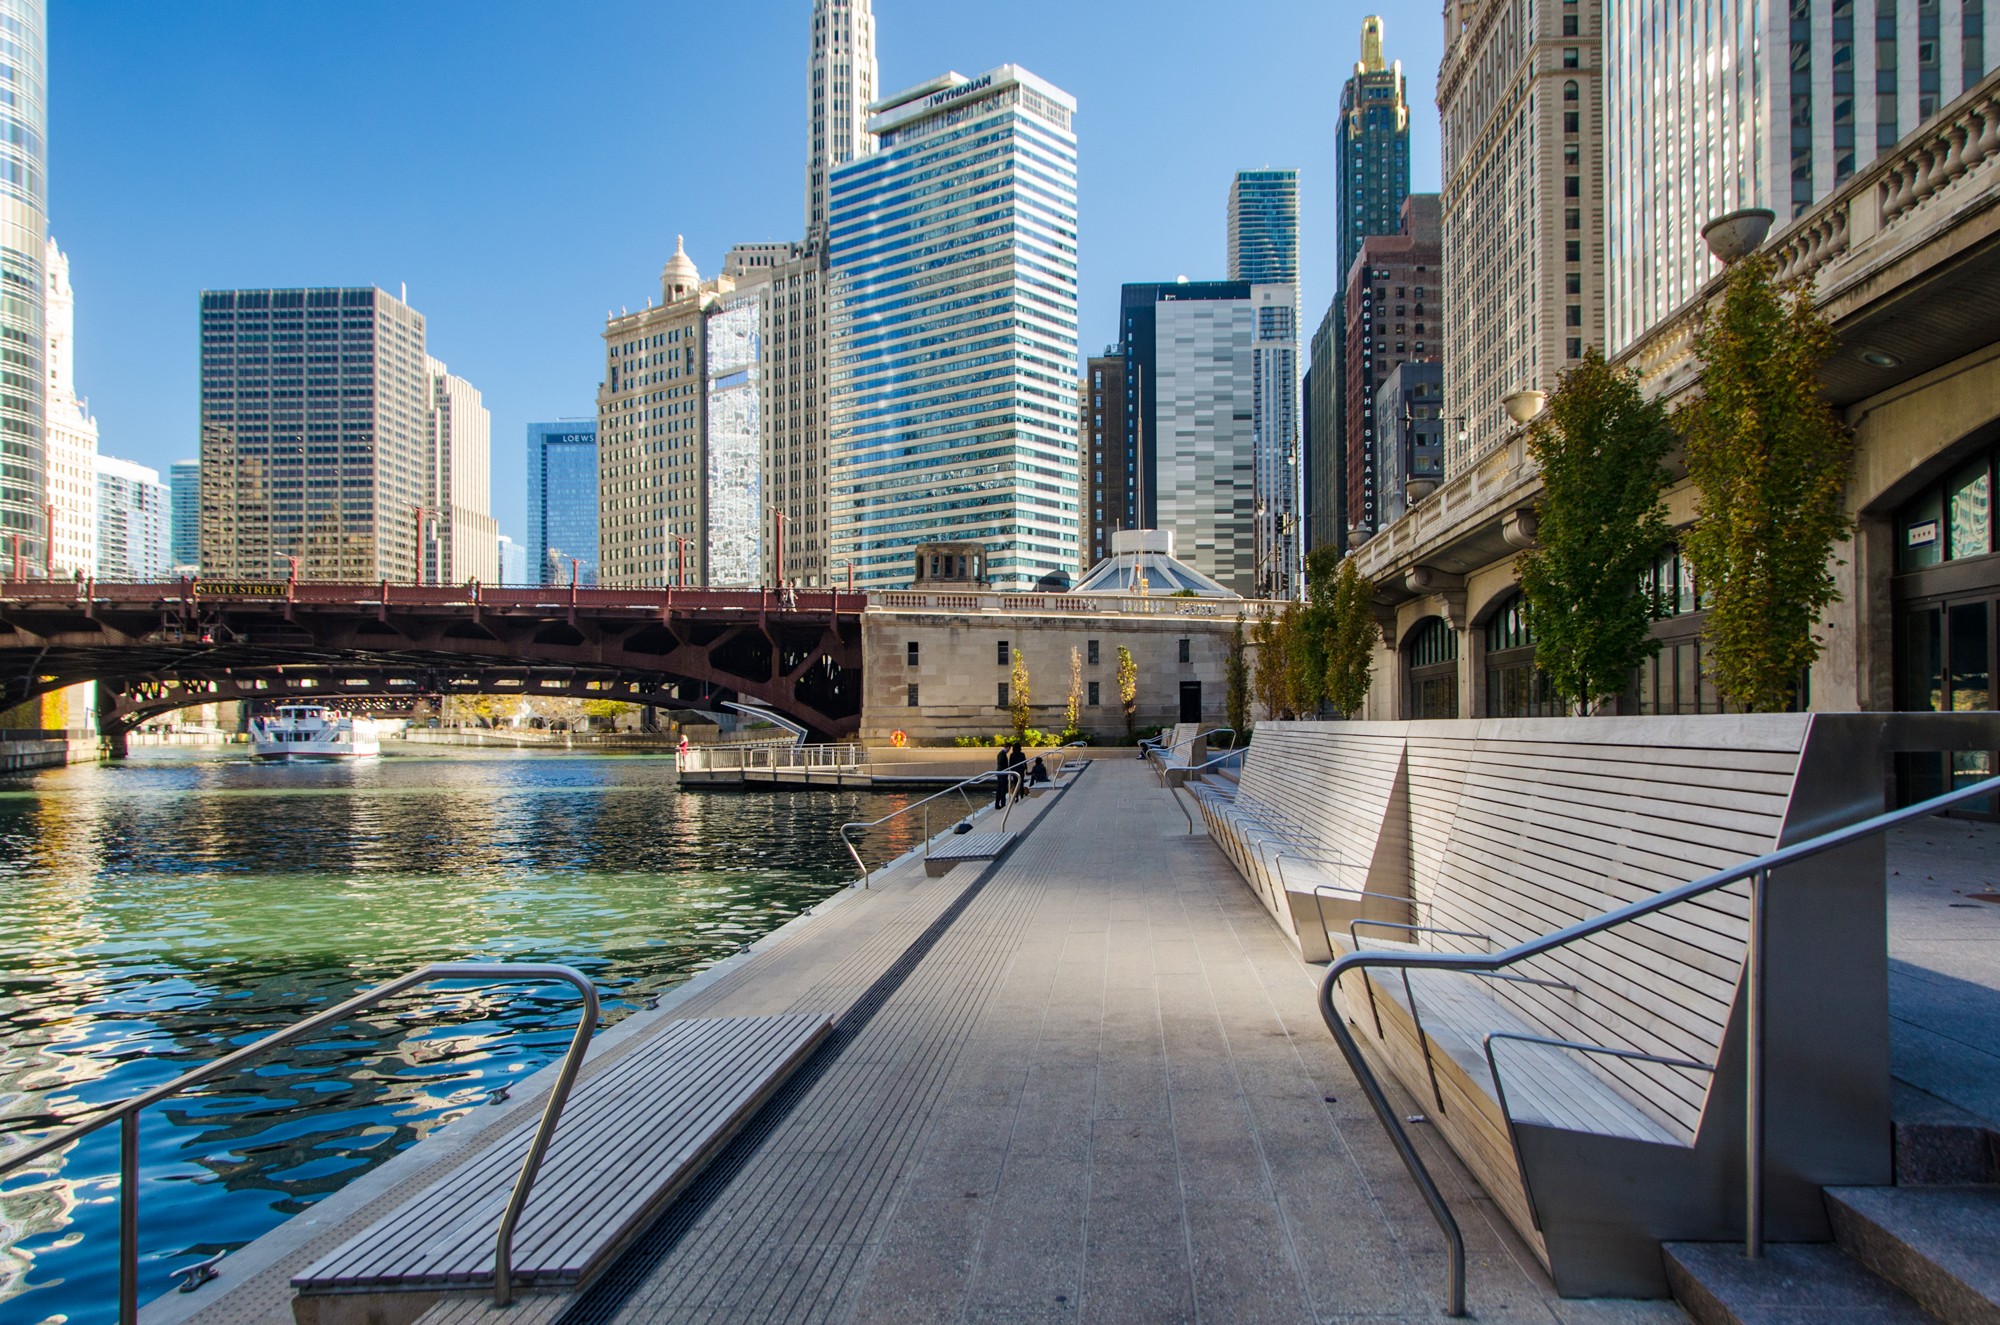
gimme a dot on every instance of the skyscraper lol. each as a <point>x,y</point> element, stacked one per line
<point>562,502</point>
<point>465,537</point>
<point>787,280</point>
<point>23,235</point>
<point>1712,107</point>
<point>184,522</point>
<point>1372,172</point>
<point>1264,227</point>
<point>1324,426</point>
<point>952,365</point>
<point>840,90</point>
<point>1522,204</point>
<point>513,562</point>
<point>1109,469</point>
<point>70,470</point>
<point>1394,316</point>
<point>131,522</point>
<point>315,433</point>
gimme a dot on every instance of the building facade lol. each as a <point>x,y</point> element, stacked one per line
<point>1372,172</point>
<point>315,435</point>
<point>1264,227</point>
<point>1520,97</point>
<point>131,522</point>
<point>1324,430</point>
<point>1393,307</point>
<point>734,441</point>
<point>841,88</point>
<point>24,120</point>
<point>1110,469</point>
<point>1409,435</point>
<point>184,528</point>
<point>951,368</point>
<point>70,454</point>
<point>562,503</point>
<point>513,562</point>
<point>1712,107</point>
<point>463,537</point>
<point>787,280</point>
<point>1192,442</point>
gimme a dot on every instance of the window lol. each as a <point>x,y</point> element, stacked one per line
<point>910,697</point>
<point>1574,349</point>
<point>1573,219</point>
<point>911,650</point>
<point>1515,688</point>
<point>1569,25</point>
<point>1573,315</point>
<point>1572,58</point>
<point>1573,283</point>
<point>1090,651</point>
<point>1005,658</point>
<point>1184,650</point>
<point>1433,670</point>
<point>1572,250</point>
<point>1571,92</point>
<point>1091,700</point>
<point>1572,122</point>
<point>1002,701</point>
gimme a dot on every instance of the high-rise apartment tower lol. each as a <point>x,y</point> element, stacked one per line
<point>1394,316</point>
<point>70,468</point>
<point>1264,227</point>
<point>131,522</point>
<point>1264,251</point>
<point>464,542</point>
<point>24,122</point>
<point>184,516</point>
<point>1523,159</point>
<point>841,89</point>
<point>1711,107</point>
<point>315,435</point>
<point>952,360</point>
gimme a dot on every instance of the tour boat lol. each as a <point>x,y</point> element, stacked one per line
<point>312,731</point>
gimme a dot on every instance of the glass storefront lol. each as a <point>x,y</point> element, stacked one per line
<point>1515,687</point>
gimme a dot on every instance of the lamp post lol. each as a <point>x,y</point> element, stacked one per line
<point>1737,234</point>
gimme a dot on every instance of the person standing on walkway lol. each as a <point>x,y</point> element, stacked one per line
<point>1018,762</point>
<point>1001,763</point>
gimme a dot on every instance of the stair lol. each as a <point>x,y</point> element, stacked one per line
<point>1941,1245</point>
<point>1792,1285</point>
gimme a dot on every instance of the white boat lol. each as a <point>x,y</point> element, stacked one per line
<point>312,731</point>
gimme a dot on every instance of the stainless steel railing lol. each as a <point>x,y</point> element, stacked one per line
<point>126,1112</point>
<point>1757,872</point>
<point>990,776</point>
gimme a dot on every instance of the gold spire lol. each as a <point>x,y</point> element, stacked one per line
<point>1371,45</point>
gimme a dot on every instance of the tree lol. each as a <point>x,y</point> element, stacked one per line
<point>1600,524</point>
<point>1128,690</point>
<point>1073,710</point>
<point>1018,695</point>
<point>1282,675</point>
<point>1237,681</point>
<point>1350,644</point>
<point>1770,461</point>
<point>1267,673</point>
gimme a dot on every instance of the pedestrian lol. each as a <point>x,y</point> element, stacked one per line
<point>1039,774</point>
<point>1001,762</point>
<point>1019,764</point>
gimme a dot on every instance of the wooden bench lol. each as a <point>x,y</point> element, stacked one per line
<point>631,1138</point>
<point>943,854</point>
<point>1499,832</point>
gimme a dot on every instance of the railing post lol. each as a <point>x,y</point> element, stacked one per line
<point>1753,1072</point>
<point>128,1220</point>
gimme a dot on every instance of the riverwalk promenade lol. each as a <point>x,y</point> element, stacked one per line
<point>1085,1083</point>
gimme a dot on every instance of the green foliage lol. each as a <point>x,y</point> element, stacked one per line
<point>1128,689</point>
<point>1351,637</point>
<point>1290,671</point>
<point>1599,524</point>
<point>1018,694</point>
<point>1237,681</point>
<point>1031,738</point>
<point>1770,460</point>
<point>1073,706</point>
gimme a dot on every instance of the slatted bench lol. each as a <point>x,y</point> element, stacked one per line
<point>1616,1117</point>
<point>631,1138</point>
<point>941,856</point>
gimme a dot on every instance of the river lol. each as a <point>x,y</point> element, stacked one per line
<point>164,910</point>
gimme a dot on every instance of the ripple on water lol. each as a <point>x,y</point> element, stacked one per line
<point>167,910</point>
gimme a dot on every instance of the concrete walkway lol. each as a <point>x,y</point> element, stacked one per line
<point>1096,1090</point>
<point>1944,962</point>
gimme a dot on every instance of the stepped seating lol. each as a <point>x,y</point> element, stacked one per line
<point>631,1138</point>
<point>1596,1090</point>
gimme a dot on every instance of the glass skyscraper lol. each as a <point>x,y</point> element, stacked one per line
<point>184,492</point>
<point>952,360</point>
<point>1714,106</point>
<point>562,501</point>
<point>1264,227</point>
<point>23,234</point>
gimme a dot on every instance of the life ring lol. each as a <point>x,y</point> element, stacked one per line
<point>899,738</point>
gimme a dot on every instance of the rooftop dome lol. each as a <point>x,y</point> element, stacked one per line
<point>679,275</point>
<point>1142,561</point>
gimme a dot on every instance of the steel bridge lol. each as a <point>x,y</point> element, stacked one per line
<point>153,648</point>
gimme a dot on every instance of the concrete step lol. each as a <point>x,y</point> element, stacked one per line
<point>1940,1144</point>
<point>1793,1284</point>
<point>1941,1245</point>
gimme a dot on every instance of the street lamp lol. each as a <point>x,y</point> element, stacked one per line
<point>1737,234</point>
<point>1524,406</point>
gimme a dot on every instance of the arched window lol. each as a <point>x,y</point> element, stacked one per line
<point>1515,688</point>
<point>1432,656</point>
<point>1571,92</point>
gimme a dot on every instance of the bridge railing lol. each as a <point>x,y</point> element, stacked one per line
<point>913,600</point>
<point>732,758</point>
<point>553,597</point>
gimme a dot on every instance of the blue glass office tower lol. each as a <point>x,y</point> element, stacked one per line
<point>23,240</point>
<point>184,492</point>
<point>952,350</point>
<point>1264,227</point>
<point>562,501</point>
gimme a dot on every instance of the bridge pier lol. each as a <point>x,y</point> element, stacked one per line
<point>112,727</point>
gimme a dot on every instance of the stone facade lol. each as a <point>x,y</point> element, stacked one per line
<point>936,674</point>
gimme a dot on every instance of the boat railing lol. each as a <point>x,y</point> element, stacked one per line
<point>126,1112</point>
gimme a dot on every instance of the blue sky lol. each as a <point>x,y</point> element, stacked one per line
<point>524,165</point>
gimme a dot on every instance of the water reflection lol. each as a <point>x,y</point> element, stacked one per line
<point>162,912</point>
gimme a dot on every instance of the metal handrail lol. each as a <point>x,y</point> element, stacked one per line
<point>1756,871</point>
<point>126,1112</point>
<point>991,775</point>
<point>1162,748</point>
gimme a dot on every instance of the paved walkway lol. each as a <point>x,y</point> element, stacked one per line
<point>1944,962</point>
<point>1097,1089</point>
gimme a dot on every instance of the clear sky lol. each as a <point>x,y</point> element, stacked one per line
<point>524,165</point>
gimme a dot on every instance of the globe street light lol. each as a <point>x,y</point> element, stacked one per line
<point>1737,234</point>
